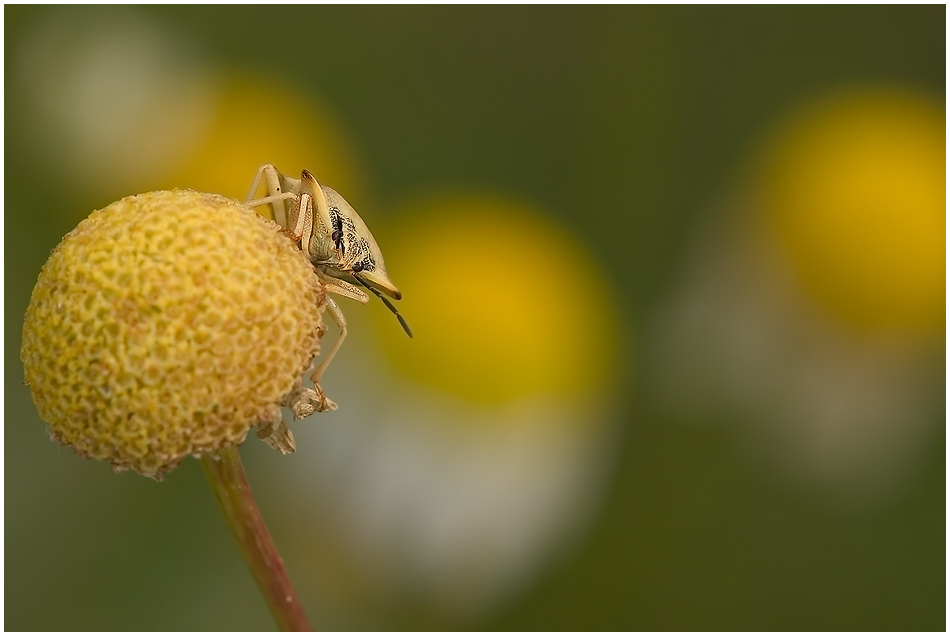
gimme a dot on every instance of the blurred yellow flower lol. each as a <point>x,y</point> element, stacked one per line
<point>856,188</point>
<point>260,119</point>
<point>503,304</point>
<point>119,103</point>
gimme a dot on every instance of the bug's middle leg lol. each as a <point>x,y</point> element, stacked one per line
<point>318,401</point>
<point>337,315</point>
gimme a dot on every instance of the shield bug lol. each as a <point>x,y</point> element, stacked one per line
<point>335,239</point>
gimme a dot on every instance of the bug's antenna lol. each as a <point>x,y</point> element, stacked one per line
<point>392,308</point>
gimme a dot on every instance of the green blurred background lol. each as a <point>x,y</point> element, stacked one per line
<point>630,127</point>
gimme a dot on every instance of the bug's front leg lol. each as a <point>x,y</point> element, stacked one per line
<point>302,231</point>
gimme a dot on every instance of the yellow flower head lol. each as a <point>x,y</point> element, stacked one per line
<point>166,325</point>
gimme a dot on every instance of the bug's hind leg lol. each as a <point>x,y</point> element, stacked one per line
<point>275,194</point>
<point>316,400</point>
<point>276,435</point>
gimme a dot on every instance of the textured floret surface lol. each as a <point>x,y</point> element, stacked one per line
<point>168,324</point>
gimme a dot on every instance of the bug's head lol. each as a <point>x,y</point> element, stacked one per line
<point>357,257</point>
<point>378,279</point>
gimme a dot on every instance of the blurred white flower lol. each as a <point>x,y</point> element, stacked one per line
<point>774,326</point>
<point>115,97</point>
<point>461,461</point>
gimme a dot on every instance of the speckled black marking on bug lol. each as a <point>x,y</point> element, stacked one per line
<point>368,263</point>
<point>337,220</point>
<point>344,232</point>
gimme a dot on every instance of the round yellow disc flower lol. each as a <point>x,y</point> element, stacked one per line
<point>168,324</point>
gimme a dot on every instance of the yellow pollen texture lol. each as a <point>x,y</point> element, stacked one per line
<point>168,324</point>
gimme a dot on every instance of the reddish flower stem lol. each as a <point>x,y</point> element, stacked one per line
<point>229,483</point>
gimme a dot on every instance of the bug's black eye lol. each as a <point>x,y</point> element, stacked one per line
<point>337,238</point>
<point>358,267</point>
